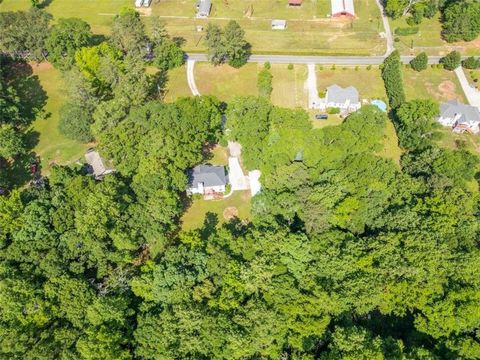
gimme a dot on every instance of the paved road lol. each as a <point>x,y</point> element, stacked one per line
<point>324,60</point>
<point>472,94</point>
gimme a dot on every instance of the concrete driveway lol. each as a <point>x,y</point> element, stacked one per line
<point>472,94</point>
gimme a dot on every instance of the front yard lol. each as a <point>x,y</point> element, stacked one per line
<point>435,84</point>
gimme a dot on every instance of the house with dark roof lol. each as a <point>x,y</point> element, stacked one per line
<point>203,8</point>
<point>342,8</point>
<point>346,99</point>
<point>460,117</point>
<point>207,180</point>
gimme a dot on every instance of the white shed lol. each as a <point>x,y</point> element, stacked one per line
<point>279,24</point>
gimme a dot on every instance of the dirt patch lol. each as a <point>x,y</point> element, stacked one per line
<point>447,89</point>
<point>230,212</point>
<point>144,11</point>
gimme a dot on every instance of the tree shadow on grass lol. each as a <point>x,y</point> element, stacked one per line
<point>44,4</point>
<point>209,225</point>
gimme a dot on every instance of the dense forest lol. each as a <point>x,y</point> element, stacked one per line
<point>348,255</point>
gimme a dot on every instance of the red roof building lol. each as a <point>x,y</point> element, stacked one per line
<point>295,2</point>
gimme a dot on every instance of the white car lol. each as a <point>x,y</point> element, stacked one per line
<point>138,3</point>
<point>146,3</point>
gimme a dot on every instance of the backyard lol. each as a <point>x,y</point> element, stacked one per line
<point>434,83</point>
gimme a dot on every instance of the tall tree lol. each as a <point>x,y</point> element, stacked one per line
<point>237,49</point>
<point>213,42</point>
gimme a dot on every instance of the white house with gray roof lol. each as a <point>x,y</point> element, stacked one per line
<point>346,99</point>
<point>460,117</point>
<point>207,180</point>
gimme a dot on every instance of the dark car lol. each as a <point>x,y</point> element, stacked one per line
<point>321,116</point>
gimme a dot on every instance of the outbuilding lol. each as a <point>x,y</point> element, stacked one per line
<point>203,8</point>
<point>342,8</point>
<point>279,24</point>
<point>96,165</point>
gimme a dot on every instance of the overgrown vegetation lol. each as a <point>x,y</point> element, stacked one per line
<point>392,77</point>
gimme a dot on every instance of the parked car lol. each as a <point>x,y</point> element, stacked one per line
<point>321,116</point>
<point>138,3</point>
<point>146,3</point>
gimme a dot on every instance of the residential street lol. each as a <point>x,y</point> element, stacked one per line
<point>324,60</point>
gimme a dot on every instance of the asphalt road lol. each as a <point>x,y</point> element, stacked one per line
<point>326,60</point>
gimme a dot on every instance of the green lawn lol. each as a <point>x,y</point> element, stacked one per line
<point>309,29</point>
<point>429,39</point>
<point>98,13</point>
<point>52,146</point>
<point>226,82</point>
<point>195,215</point>
<point>289,86</point>
<point>473,77</point>
<point>177,84</point>
<point>391,150</point>
<point>369,83</point>
<point>435,84</point>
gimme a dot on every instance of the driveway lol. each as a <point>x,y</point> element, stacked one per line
<point>472,94</point>
<point>388,31</point>
<point>237,179</point>
<point>311,84</point>
<point>191,78</point>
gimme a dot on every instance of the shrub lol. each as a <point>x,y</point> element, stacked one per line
<point>267,65</point>
<point>333,67</point>
<point>290,66</point>
<point>420,62</point>
<point>333,111</point>
<point>451,61</point>
<point>321,94</point>
<point>471,63</point>
<point>412,30</point>
<point>356,68</point>
<point>369,67</point>
<point>264,83</point>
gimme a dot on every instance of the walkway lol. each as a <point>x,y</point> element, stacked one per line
<point>311,84</point>
<point>472,94</point>
<point>191,78</point>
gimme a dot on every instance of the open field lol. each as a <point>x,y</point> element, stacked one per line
<point>226,82</point>
<point>435,84</point>
<point>309,29</point>
<point>195,215</point>
<point>53,147</point>
<point>98,13</point>
<point>369,83</point>
<point>429,39</point>
<point>289,86</point>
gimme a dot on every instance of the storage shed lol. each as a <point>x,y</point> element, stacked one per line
<point>279,24</point>
<point>342,8</point>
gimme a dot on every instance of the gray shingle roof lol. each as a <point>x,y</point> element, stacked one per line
<point>203,7</point>
<point>337,94</point>
<point>208,175</point>
<point>451,108</point>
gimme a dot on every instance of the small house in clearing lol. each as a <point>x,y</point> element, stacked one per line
<point>96,165</point>
<point>346,99</point>
<point>460,117</point>
<point>342,8</point>
<point>279,24</point>
<point>207,180</point>
<point>203,8</point>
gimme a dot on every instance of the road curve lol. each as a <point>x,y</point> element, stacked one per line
<point>323,60</point>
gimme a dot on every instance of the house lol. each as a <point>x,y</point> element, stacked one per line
<point>342,8</point>
<point>207,180</point>
<point>203,8</point>
<point>294,3</point>
<point>346,99</point>
<point>460,117</point>
<point>96,165</point>
<point>279,24</point>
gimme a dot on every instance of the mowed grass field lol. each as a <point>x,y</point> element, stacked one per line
<point>309,31</point>
<point>52,146</point>
<point>369,83</point>
<point>429,39</point>
<point>289,86</point>
<point>177,84</point>
<point>226,82</point>
<point>432,83</point>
